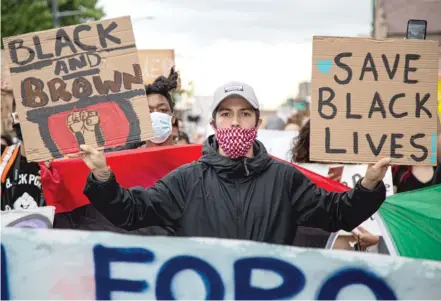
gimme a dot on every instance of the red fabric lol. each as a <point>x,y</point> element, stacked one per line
<point>63,185</point>
<point>110,115</point>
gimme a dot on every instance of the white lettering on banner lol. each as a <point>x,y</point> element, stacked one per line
<point>60,264</point>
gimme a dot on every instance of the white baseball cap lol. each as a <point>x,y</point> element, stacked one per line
<point>234,89</point>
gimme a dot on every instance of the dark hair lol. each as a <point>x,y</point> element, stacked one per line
<point>184,136</point>
<point>301,143</point>
<point>176,123</point>
<point>296,119</point>
<point>164,86</point>
<point>8,139</point>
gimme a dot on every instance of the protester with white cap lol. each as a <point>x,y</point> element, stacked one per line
<point>236,190</point>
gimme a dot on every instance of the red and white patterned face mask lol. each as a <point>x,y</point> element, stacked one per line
<point>236,142</point>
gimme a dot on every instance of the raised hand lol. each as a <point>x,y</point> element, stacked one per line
<point>365,238</point>
<point>96,161</point>
<point>375,173</point>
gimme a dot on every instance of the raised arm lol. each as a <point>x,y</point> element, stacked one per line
<point>331,211</point>
<point>136,207</point>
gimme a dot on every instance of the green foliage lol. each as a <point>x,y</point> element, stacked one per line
<point>23,16</point>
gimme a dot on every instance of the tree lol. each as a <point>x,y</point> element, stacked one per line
<point>23,16</point>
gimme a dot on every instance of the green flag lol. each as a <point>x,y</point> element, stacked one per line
<point>413,220</point>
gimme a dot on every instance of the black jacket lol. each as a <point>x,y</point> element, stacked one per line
<point>259,199</point>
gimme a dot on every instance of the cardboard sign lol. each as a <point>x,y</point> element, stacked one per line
<point>78,84</point>
<point>439,97</point>
<point>39,218</point>
<point>155,63</point>
<point>373,99</point>
<point>80,265</point>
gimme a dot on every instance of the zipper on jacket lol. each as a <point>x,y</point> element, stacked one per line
<point>240,202</point>
<point>247,172</point>
<point>238,210</point>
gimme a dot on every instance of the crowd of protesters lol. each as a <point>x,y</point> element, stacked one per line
<point>257,197</point>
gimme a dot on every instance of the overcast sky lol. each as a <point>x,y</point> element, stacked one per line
<point>266,43</point>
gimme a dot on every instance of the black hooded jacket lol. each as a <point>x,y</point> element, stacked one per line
<point>258,199</point>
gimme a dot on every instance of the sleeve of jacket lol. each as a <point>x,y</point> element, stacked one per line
<point>332,211</point>
<point>134,208</point>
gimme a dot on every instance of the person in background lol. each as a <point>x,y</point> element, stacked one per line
<point>275,123</point>
<point>164,122</point>
<point>296,121</point>
<point>235,190</point>
<point>407,178</point>
<point>183,139</point>
<point>161,112</point>
<point>181,125</point>
<point>161,107</point>
<point>317,238</point>
<point>292,127</point>
<point>20,179</point>
<point>199,135</point>
<point>175,131</point>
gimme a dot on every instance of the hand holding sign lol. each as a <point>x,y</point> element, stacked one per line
<point>76,85</point>
<point>375,173</point>
<point>364,237</point>
<point>96,162</point>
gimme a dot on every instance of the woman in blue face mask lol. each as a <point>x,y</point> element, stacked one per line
<point>161,108</point>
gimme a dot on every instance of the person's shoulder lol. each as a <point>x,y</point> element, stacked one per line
<point>284,166</point>
<point>188,168</point>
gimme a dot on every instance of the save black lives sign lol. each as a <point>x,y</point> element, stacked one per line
<point>373,99</point>
<point>78,84</point>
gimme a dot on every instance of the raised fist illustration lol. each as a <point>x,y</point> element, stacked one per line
<point>85,125</point>
<point>83,121</point>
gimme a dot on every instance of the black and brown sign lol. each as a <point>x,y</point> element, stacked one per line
<point>374,99</point>
<point>78,84</point>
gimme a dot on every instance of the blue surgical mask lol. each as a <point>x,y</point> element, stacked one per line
<point>162,127</point>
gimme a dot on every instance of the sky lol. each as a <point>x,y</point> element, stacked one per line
<point>265,43</point>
